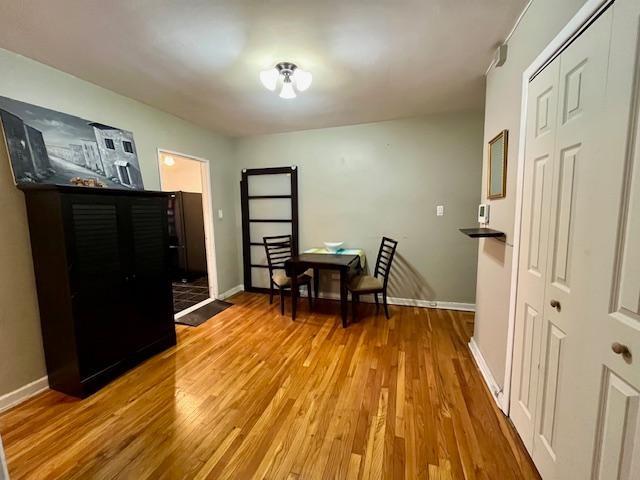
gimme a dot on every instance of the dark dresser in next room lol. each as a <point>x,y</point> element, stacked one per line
<point>101,261</point>
<point>186,236</point>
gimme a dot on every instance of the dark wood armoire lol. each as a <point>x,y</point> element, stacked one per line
<point>101,261</point>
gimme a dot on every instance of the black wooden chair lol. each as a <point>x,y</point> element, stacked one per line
<point>366,284</point>
<point>279,249</point>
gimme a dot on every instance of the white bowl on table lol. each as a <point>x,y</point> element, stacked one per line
<point>333,247</point>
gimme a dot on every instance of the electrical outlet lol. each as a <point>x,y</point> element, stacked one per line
<point>440,210</point>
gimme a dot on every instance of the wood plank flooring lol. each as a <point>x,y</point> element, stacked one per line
<point>251,394</point>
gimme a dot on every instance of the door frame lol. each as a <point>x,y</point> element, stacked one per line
<point>210,242</point>
<point>580,21</point>
<point>4,473</point>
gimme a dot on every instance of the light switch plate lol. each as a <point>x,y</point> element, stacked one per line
<point>220,213</point>
<point>440,210</point>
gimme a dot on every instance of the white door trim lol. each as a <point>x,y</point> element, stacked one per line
<point>4,474</point>
<point>192,308</point>
<point>589,10</point>
<point>210,247</point>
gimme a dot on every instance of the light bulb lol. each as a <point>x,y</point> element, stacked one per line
<point>269,78</point>
<point>169,161</point>
<point>302,78</point>
<point>287,89</point>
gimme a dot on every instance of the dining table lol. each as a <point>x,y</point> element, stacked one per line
<point>347,264</point>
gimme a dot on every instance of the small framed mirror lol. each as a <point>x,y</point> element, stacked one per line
<point>498,165</point>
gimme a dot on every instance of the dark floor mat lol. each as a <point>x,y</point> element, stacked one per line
<point>204,313</point>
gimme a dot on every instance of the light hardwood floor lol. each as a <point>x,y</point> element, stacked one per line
<point>251,394</point>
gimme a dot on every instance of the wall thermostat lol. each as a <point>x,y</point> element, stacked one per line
<point>483,213</point>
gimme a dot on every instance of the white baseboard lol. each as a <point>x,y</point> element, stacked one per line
<point>23,393</point>
<point>494,388</point>
<point>406,302</point>
<point>412,302</point>
<point>231,292</point>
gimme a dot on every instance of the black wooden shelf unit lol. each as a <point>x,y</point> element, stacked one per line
<point>267,197</point>
<point>270,220</point>
<point>255,229</point>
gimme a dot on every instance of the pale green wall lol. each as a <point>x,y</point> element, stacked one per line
<point>21,356</point>
<point>541,23</point>
<point>357,183</point>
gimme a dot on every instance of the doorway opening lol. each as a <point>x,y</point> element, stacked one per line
<point>190,230</point>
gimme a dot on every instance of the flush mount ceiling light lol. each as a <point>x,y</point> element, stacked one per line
<point>169,161</point>
<point>293,78</point>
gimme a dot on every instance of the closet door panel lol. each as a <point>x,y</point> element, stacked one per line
<point>530,352</point>
<point>553,350</point>
<point>536,223</point>
<point>618,449</point>
<point>582,94</point>
<point>613,321</point>
<point>562,246</point>
<point>532,268</point>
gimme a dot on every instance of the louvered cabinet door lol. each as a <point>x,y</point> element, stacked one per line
<point>98,273</point>
<point>149,291</point>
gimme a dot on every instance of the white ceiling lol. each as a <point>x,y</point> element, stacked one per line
<point>200,59</point>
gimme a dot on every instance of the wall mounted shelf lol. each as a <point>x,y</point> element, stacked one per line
<point>484,233</point>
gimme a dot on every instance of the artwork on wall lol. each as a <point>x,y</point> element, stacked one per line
<point>46,146</point>
<point>497,187</point>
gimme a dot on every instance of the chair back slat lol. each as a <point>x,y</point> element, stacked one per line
<point>280,258</point>
<point>385,259</point>
<point>279,249</point>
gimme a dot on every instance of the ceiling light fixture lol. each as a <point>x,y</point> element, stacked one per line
<point>292,76</point>
<point>169,161</point>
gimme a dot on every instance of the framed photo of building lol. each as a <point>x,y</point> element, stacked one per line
<point>46,146</point>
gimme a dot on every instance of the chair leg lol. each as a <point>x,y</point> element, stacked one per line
<point>270,293</point>
<point>375,295</point>
<point>282,301</point>
<point>354,307</point>
<point>386,306</point>
<point>309,292</point>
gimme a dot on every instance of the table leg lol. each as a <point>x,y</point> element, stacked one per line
<point>294,293</point>
<point>344,304</point>
<point>316,282</point>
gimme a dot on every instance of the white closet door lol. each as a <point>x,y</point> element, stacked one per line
<point>599,431</point>
<point>585,412</point>
<point>576,168</point>
<point>541,134</point>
